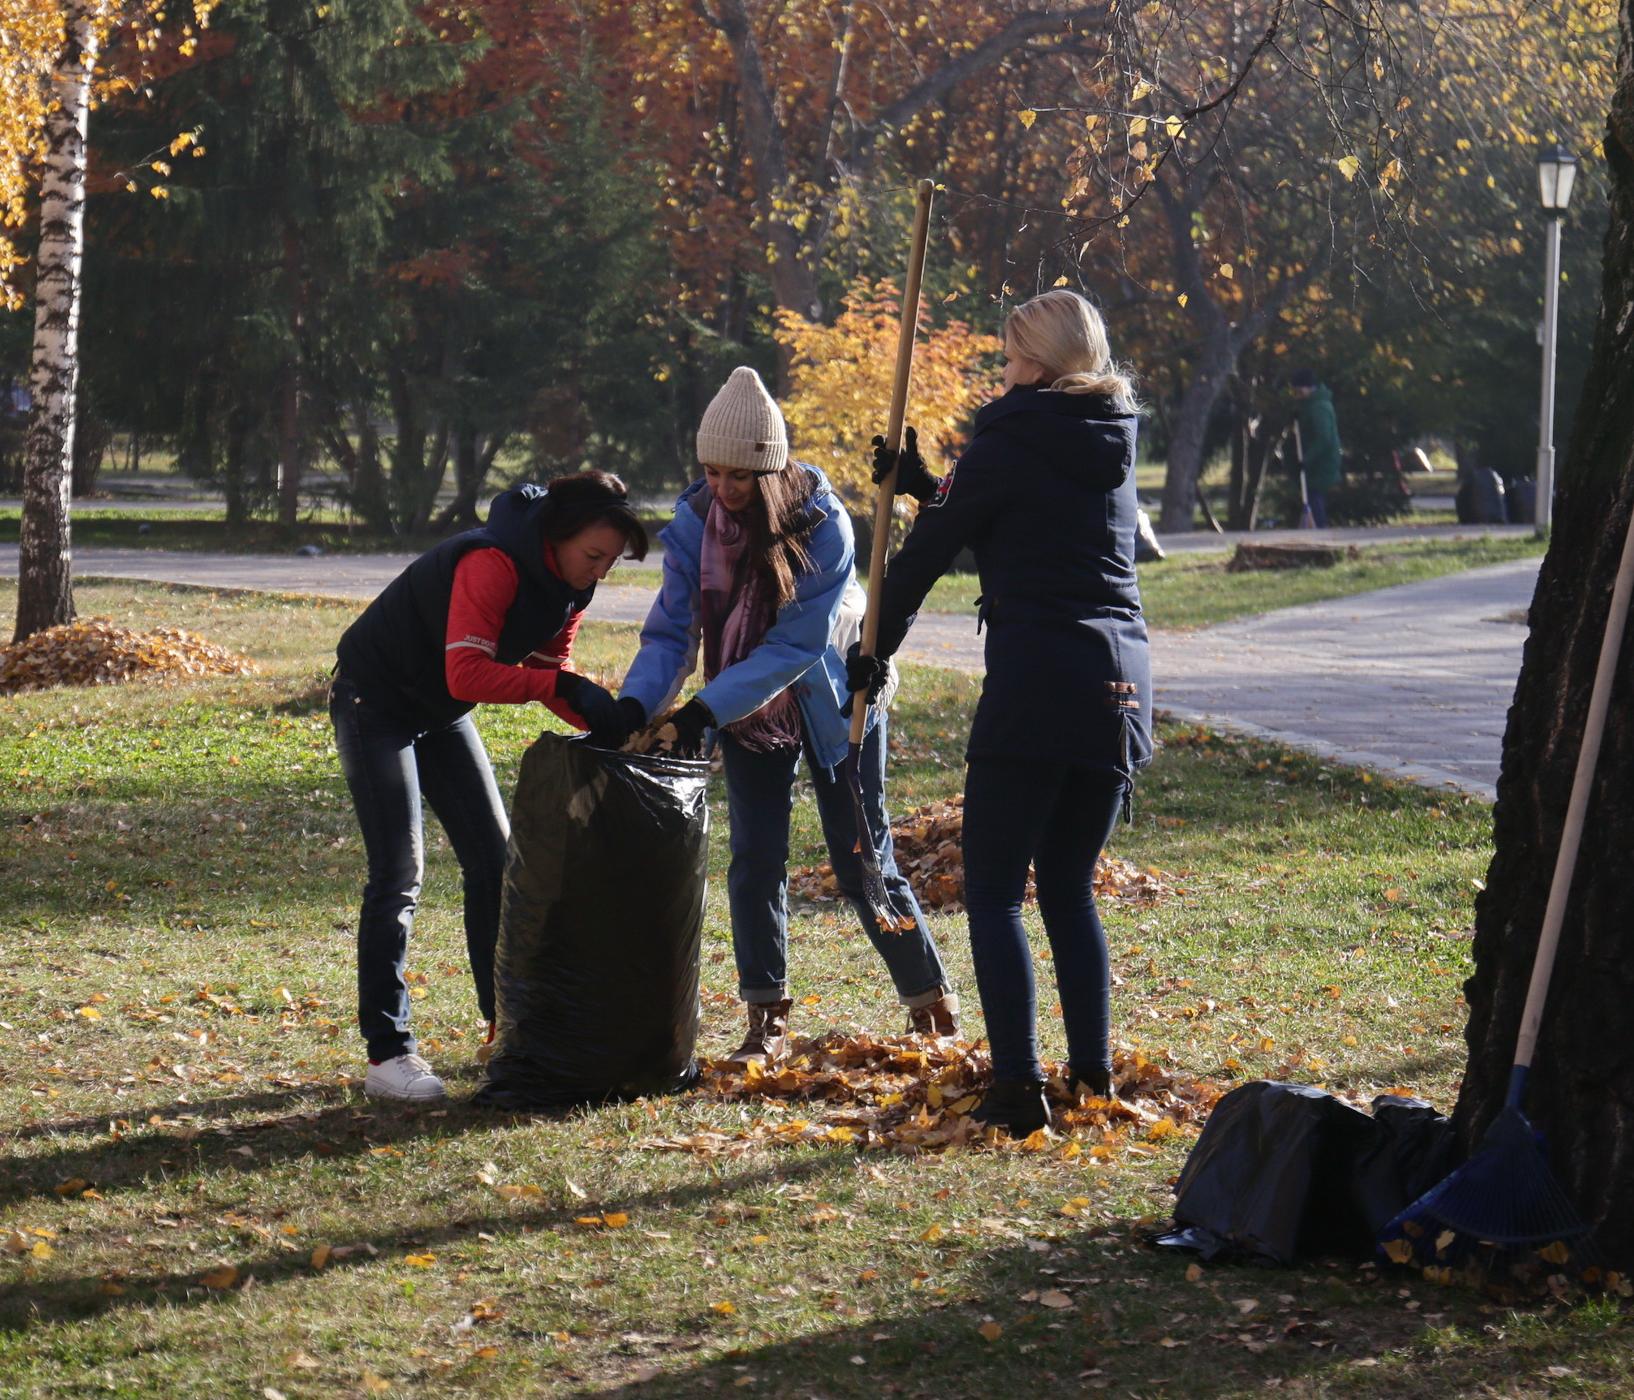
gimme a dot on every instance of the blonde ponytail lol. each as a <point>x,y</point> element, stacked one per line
<point>1061,331</point>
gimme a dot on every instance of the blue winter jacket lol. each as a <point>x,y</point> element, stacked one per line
<point>798,649</point>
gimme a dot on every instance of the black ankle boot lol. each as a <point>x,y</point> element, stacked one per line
<point>1015,1105</point>
<point>1094,1079</point>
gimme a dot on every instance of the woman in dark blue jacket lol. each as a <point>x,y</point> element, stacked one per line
<point>1045,498</point>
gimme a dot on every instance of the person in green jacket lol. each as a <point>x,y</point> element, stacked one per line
<point>1318,442</point>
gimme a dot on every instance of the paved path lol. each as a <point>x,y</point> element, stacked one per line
<point>1414,680</point>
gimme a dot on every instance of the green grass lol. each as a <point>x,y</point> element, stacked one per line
<point>179,869</point>
<point>1194,590</point>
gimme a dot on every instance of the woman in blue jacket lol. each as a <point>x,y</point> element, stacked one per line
<point>1045,498</point>
<point>758,570</point>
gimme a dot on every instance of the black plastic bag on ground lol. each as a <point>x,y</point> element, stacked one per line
<point>1284,1171</point>
<point>596,972</point>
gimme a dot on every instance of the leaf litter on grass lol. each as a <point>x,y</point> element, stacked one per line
<point>929,854</point>
<point>98,652</point>
<point>910,1093</point>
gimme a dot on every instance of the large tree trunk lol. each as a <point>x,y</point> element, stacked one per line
<point>472,461</point>
<point>45,592</point>
<point>1215,364</point>
<point>1582,1088</point>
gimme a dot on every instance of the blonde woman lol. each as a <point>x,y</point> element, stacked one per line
<point>1045,498</point>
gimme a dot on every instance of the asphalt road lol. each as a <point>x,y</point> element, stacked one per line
<point>1413,681</point>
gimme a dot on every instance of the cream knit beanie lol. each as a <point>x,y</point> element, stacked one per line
<point>742,427</point>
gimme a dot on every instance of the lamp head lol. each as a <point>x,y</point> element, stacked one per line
<point>1557,171</point>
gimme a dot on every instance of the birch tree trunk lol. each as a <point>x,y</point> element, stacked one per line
<point>45,592</point>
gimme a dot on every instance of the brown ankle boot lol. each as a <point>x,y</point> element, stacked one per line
<point>767,1042</point>
<point>938,1018</point>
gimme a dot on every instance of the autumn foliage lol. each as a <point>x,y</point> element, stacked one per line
<point>32,37</point>
<point>97,652</point>
<point>840,379</point>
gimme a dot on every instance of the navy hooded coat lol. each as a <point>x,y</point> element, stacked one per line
<point>1044,497</point>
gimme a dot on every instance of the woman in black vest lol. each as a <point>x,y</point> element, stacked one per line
<point>488,616</point>
<point>1045,497</point>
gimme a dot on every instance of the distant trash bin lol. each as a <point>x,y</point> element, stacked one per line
<point>1480,498</point>
<point>1521,499</point>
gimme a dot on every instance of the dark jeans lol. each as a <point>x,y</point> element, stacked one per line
<point>387,766</point>
<point>759,798</point>
<point>1318,502</point>
<point>1055,817</point>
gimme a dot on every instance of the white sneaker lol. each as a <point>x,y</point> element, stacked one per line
<point>403,1077</point>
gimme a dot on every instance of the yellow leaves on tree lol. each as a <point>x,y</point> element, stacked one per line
<point>840,385</point>
<point>35,33</point>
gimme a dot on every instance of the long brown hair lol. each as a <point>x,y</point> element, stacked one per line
<point>780,524</point>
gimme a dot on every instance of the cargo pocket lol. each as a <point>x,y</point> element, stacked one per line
<point>1122,697</point>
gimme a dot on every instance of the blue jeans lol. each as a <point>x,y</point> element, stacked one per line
<point>1318,502</point>
<point>388,764</point>
<point>759,798</point>
<point>1056,818</point>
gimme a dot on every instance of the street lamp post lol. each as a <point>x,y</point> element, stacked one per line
<point>1557,170</point>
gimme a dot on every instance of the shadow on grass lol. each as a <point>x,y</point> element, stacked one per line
<point>1121,1317</point>
<point>34,1303</point>
<point>322,1120</point>
<point>224,1107</point>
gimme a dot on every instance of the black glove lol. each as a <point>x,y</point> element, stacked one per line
<point>867,674</point>
<point>629,716</point>
<point>598,709</point>
<point>913,478</point>
<point>690,721</point>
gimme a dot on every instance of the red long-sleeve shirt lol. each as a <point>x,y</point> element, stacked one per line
<point>485,583</point>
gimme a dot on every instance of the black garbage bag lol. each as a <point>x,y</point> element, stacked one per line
<point>596,973</point>
<point>1284,1171</point>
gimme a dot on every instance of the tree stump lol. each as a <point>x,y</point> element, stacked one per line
<point>1288,554</point>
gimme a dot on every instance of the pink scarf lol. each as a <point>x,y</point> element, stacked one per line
<point>737,612</point>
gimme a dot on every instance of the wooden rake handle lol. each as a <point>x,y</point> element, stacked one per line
<point>893,435</point>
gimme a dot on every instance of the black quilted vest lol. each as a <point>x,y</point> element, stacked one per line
<point>394,652</point>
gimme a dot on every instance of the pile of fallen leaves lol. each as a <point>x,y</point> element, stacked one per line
<point>909,1092</point>
<point>928,853</point>
<point>98,652</point>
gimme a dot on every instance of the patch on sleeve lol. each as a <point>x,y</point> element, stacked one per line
<point>942,489</point>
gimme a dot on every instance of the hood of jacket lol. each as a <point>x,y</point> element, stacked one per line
<point>1073,432</point>
<point>515,521</point>
<point>517,525</point>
